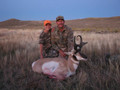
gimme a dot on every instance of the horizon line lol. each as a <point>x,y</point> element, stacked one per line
<point>54,20</point>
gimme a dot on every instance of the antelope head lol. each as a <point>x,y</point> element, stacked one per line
<point>77,49</point>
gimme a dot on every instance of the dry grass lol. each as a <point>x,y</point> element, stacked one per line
<point>18,49</point>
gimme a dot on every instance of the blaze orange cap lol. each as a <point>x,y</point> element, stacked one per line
<point>47,22</point>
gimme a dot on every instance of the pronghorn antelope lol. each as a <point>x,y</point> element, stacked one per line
<point>59,68</point>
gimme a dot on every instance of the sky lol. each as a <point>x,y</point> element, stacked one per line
<point>49,9</point>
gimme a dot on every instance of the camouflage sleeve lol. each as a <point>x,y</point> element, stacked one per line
<point>41,38</point>
<point>70,40</point>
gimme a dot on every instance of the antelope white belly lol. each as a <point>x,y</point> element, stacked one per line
<point>49,67</point>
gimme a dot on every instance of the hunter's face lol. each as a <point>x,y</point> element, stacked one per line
<point>60,23</point>
<point>48,26</point>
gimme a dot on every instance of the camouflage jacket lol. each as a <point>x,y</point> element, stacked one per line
<point>44,39</point>
<point>62,40</point>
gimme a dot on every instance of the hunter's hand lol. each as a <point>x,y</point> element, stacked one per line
<point>62,53</point>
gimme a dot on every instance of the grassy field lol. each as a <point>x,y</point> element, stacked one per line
<point>18,49</point>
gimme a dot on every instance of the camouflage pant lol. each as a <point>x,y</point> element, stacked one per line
<point>50,53</point>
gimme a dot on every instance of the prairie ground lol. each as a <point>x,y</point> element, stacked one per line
<point>19,48</point>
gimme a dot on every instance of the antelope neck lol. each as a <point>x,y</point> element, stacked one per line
<point>72,63</point>
<point>75,61</point>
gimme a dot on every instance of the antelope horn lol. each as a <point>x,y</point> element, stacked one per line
<point>81,42</point>
<point>74,40</point>
<point>80,39</point>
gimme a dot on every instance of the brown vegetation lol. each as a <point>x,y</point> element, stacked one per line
<point>18,49</point>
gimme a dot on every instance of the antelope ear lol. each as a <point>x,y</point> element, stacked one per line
<point>83,43</point>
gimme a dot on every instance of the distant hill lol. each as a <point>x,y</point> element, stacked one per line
<point>18,24</point>
<point>111,24</point>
